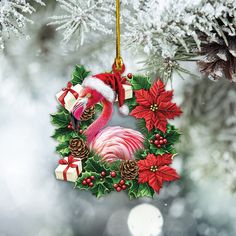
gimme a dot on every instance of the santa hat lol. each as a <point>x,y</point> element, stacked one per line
<point>110,86</point>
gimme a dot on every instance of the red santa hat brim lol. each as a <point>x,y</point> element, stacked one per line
<point>98,85</point>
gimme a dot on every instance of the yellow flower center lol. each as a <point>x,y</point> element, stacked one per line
<point>154,107</point>
<point>153,168</point>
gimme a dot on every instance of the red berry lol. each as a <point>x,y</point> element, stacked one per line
<point>92,177</point>
<point>129,75</point>
<point>122,182</point>
<point>151,141</point>
<point>118,189</point>
<point>84,182</point>
<point>159,146</point>
<point>161,142</point>
<point>91,184</point>
<point>123,187</point>
<point>88,180</point>
<point>165,140</point>
<point>81,131</point>
<point>113,174</point>
<point>103,173</point>
<point>116,185</point>
<point>158,136</point>
<point>161,138</point>
<point>156,142</point>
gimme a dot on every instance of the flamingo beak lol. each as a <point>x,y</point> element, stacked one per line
<point>79,107</point>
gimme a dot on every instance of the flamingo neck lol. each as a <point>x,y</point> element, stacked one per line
<point>101,121</point>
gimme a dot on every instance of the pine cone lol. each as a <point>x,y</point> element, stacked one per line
<point>220,58</point>
<point>88,114</point>
<point>129,169</point>
<point>78,148</point>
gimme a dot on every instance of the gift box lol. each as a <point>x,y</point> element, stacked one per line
<point>69,169</point>
<point>128,91</point>
<point>68,96</point>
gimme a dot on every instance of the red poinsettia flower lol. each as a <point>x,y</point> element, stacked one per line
<point>155,106</point>
<point>155,170</point>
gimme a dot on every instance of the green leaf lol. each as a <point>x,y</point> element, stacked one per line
<point>79,74</point>
<point>94,164</point>
<point>140,82</point>
<point>84,175</point>
<point>63,149</point>
<point>63,109</point>
<point>141,126</point>
<point>101,186</point>
<point>62,134</point>
<point>173,136</point>
<point>141,154</point>
<point>98,107</point>
<point>137,190</point>
<point>61,119</point>
<point>131,103</point>
<point>65,134</point>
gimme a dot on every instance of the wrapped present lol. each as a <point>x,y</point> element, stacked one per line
<point>69,95</point>
<point>69,169</point>
<point>128,91</point>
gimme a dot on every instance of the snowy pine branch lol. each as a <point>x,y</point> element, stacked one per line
<point>13,17</point>
<point>82,17</point>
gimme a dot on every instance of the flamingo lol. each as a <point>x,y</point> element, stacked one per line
<point>111,143</point>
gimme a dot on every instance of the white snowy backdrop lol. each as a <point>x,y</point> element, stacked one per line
<point>32,202</point>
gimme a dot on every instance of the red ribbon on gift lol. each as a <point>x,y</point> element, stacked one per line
<point>70,164</point>
<point>66,91</point>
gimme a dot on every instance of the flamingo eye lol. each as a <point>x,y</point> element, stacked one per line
<point>88,95</point>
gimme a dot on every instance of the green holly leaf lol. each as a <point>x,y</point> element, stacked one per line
<point>63,149</point>
<point>98,107</point>
<point>141,154</point>
<point>138,190</point>
<point>65,134</point>
<point>62,134</point>
<point>101,186</point>
<point>60,109</point>
<point>60,119</point>
<point>79,74</point>
<point>173,136</point>
<point>140,82</point>
<point>84,175</point>
<point>131,103</point>
<point>94,164</point>
<point>141,126</point>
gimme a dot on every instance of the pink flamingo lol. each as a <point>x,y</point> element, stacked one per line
<point>111,143</point>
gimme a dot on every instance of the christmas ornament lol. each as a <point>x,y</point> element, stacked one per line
<point>118,158</point>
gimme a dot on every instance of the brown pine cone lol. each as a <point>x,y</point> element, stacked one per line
<point>219,57</point>
<point>129,169</point>
<point>78,148</point>
<point>88,114</point>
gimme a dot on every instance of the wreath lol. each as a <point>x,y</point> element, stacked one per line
<point>140,176</point>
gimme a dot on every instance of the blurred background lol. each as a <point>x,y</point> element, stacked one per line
<point>35,66</point>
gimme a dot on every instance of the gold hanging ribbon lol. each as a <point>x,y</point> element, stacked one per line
<point>118,59</point>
